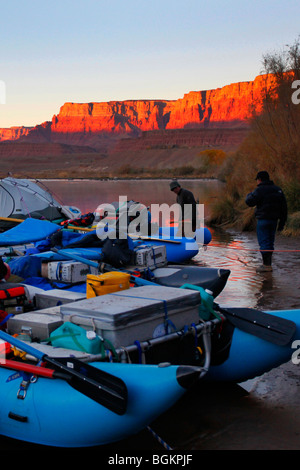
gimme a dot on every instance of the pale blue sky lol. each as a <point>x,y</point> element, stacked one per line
<point>102,50</point>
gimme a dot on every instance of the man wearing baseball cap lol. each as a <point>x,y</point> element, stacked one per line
<point>187,202</point>
<point>271,214</point>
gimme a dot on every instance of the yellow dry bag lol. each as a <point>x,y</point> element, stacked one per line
<point>106,283</point>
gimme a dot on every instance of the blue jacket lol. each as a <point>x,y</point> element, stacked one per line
<point>270,202</point>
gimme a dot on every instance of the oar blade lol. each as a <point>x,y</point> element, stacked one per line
<point>271,328</point>
<point>102,387</point>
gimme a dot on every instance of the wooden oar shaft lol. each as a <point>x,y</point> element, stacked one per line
<point>82,229</point>
<point>9,219</point>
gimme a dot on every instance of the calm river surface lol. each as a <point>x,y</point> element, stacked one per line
<point>222,417</point>
<point>87,194</point>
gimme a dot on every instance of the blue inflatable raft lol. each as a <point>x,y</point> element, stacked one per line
<point>63,410</point>
<point>178,249</point>
<point>244,343</point>
<point>250,355</point>
<point>178,252</point>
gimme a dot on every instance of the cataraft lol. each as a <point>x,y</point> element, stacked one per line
<point>53,395</point>
<point>85,369</point>
<point>65,402</point>
<point>222,337</point>
<point>123,318</point>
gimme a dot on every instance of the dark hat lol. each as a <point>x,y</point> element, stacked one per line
<point>174,184</point>
<point>262,175</point>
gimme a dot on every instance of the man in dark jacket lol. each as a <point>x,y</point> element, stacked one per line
<point>271,214</point>
<point>186,200</point>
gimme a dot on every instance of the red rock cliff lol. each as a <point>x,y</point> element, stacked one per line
<point>14,133</point>
<point>229,106</point>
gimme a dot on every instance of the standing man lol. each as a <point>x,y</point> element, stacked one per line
<point>188,221</point>
<point>271,209</point>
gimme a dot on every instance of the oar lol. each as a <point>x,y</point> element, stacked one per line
<point>263,325</point>
<point>100,386</point>
<point>155,239</point>
<point>82,229</point>
<point>32,369</point>
<point>136,280</point>
<point>9,219</point>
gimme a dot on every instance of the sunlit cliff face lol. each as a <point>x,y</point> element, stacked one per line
<point>228,106</point>
<point>222,106</point>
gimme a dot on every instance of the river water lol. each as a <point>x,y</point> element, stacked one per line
<point>87,194</point>
<point>260,414</point>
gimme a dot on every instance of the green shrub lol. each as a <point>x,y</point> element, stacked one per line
<point>292,193</point>
<point>293,224</point>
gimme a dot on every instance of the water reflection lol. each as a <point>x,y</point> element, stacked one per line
<point>279,289</point>
<point>233,251</point>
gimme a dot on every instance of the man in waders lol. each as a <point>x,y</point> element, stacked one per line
<point>188,221</point>
<point>271,214</point>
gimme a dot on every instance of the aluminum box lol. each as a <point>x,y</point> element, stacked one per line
<point>38,324</point>
<point>150,256</point>
<point>67,271</point>
<point>139,313</point>
<point>52,298</point>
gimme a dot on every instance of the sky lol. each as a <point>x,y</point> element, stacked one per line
<point>106,50</point>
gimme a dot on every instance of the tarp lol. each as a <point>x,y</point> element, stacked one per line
<point>28,231</point>
<point>25,266</point>
<point>45,284</point>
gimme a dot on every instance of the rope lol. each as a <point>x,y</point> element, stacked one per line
<point>159,439</point>
<point>140,351</point>
<point>251,249</point>
<point>22,198</point>
<point>50,192</point>
<point>6,319</point>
